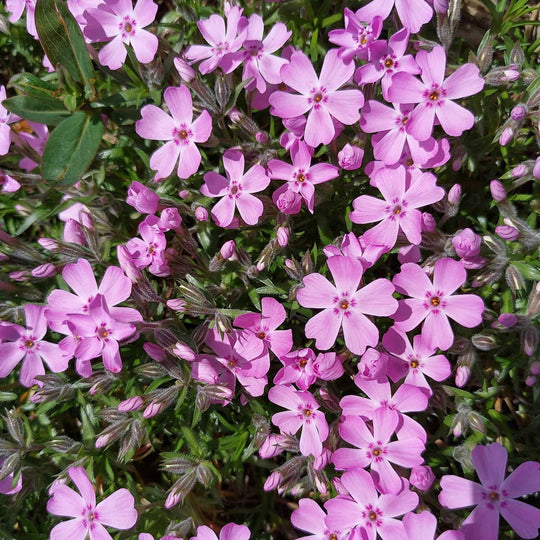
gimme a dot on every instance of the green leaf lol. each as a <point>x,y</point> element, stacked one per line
<point>528,270</point>
<point>29,84</point>
<point>72,147</point>
<point>62,39</point>
<point>42,110</point>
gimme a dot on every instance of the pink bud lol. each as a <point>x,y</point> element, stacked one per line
<point>19,275</point>
<point>350,157</point>
<point>467,243</point>
<point>518,112</point>
<point>287,201</point>
<point>152,409</point>
<point>144,200</point>
<point>283,236</point>
<point>181,350</point>
<point>131,404</point>
<point>497,190</point>
<point>261,137</point>
<point>507,319</point>
<point>170,218</point>
<point>183,194</point>
<point>176,304</point>
<point>462,375</point>
<point>506,136</point>
<point>73,233</point>
<point>126,263</point>
<point>185,71</point>
<point>228,249</point>
<point>422,477</point>
<point>271,446</point>
<point>372,365</point>
<point>201,213</point>
<point>507,232</point>
<point>440,6</point>
<point>530,380</point>
<point>273,481</point>
<point>290,264</point>
<point>48,243</point>
<point>102,440</point>
<point>155,352</point>
<point>535,368</point>
<point>519,171</point>
<point>536,168</point>
<point>261,265</point>
<point>511,73</point>
<point>454,195</point>
<point>44,270</point>
<point>428,222</point>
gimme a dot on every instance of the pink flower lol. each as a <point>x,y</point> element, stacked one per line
<point>416,361</point>
<point>376,450</point>
<point>260,332</point>
<point>494,495</point>
<point>435,302</point>
<point>16,8</point>
<point>222,41</point>
<point>435,94</point>
<point>422,477</point>
<point>6,484</point>
<point>144,200</point>
<point>301,176</point>
<point>310,517</point>
<point>412,13</point>
<point>398,211</point>
<point>350,157</point>
<point>180,130</point>
<point>8,184</point>
<point>236,190</point>
<point>318,95</point>
<point>260,64</point>
<point>124,24</point>
<point>27,344</point>
<point>303,413</point>
<point>6,118</point>
<point>344,305</point>
<point>36,140</point>
<point>365,509</point>
<point>424,525</point>
<point>231,531</point>
<point>117,510</point>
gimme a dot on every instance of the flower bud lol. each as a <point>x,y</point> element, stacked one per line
<point>507,232</point>
<point>185,71</point>
<point>529,340</point>
<point>506,136</point>
<point>283,236</point>
<point>176,304</point>
<point>373,365</point>
<point>507,319</point>
<point>467,243</point>
<point>228,249</point>
<point>497,190</point>
<point>519,171</point>
<point>170,218</point>
<point>144,200</point>
<point>422,477</point>
<point>518,112</point>
<point>273,481</point>
<point>428,222</point>
<point>440,6</point>
<point>181,350</point>
<point>350,157</point>
<point>536,168</point>
<point>514,279</point>
<point>462,375</point>
<point>131,404</point>
<point>535,368</point>
<point>261,137</point>
<point>44,270</point>
<point>155,352</point>
<point>484,341</point>
<point>152,409</point>
<point>288,202</point>
<point>201,213</point>
<point>454,195</point>
<point>48,243</point>
<point>530,380</point>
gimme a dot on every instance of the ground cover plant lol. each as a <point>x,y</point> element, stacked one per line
<point>269,270</point>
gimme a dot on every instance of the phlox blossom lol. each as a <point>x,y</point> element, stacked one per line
<point>412,13</point>
<point>435,94</point>
<point>231,531</point>
<point>423,526</point>
<point>310,517</point>
<point>344,305</point>
<point>16,8</point>
<point>303,412</point>
<point>27,344</point>
<point>236,190</point>
<point>399,209</point>
<point>6,118</point>
<point>434,302</point>
<point>495,495</point>
<point>89,519</point>
<point>318,95</point>
<point>124,24</point>
<point>180,130</point>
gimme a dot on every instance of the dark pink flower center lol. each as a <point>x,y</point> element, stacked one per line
<point>434,95</point>
<point>317,96</point>
<point>389,62</point>
<point>372,516</point>
<point>235,189</point>
<point>89,515</point>
<point>103,332</point>
<point>127,26</point>
<point>182,134</point>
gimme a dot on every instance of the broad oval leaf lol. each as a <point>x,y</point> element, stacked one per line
<point>71,147</point>
<point>29,84</point>
<point>62,39</point>
<point>42,110</point>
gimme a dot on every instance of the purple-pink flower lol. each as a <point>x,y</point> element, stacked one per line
<point>318,95</point>
<point>236,190</point>
<point>231,531</point>
<point>412,13</point>
<point>180,130</point>
<point>344,305</point>
<point>124,24</point>
<point>310,517</point>
<point>495,495</point>
<point>117,510</point>
<point>423,526</point>
<point>6,118</point>
<point>435,302</point>
<point>435,94</point>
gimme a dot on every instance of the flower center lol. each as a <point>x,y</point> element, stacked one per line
<point>434,96</point>
<point>435,301</point>
<point>414,363</point>
<point>302,363</point>
<point>372,516</point>
<point>103,332</point>
<point>29,343</point>
<point>494,496</point>
<point>318,97</point>
<point>344,304</point>
<point>377,452</point>
<point>307,412</point>
<point>232,363</point>
<point>234,190</point>
<point>397,210</point>
<point>282,86</point>
<point>333,537</point>
<point>183,134</point>
<point>261,335</point>
<point>300,178</point>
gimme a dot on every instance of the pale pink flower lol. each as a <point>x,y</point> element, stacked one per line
<point>6,484</point>
<point>494,495</point>
<point>8,184</point>
<point>398,211</point>
<point>35,140</point>
<point>16,8</point>
<point>310,517</point>
<point>435,94</point>
<point>117,510</point>
<point>236,190</point>
<point>231,531</point>
<point>435,302</point>
<point>180,130</point>
<point>318,95</point>
<point>350,157</point>
<point>412,13</point>
<point>27,344</point>
<point>362,507</point>
<point>301,176</point>
<point>303,413</point>
<point>124,24</point>
<point>424,525</point>
<point>6,118</point>
<point>344,305</point>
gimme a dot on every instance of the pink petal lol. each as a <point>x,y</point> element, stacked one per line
<point>323,172</point>
<point>360,485</point>
<point>459,492</point>
<point>115,286</point>
<point>378,117</point>
<point>482,523</point>
<point>164,159</point>
<point>421,119</point>
<point>319,127</point>
<point>413,14</point>
<point>202,127</point>
<point>411,224</point>
<point>145,45</point>
<point>422,525</point>
<point>255,180</point>
<point>385,421</point>
<point>117,510</point>
<point>359,332</point>
<point>346,272</point>
<point>345,105</point>
<point>85,487</point>
<point>179,102</point>
<point>189,160</point>
<point>523,518</point>
<point>386,478</point>
<point>113,54</point>
<point>354,431</point>
<point>406,453</point>
<point>111,356</point>
<point>310,443</point>
<point>98,532</point>
<point>345,459</point>
<point>437,330</point>
<point>309,516</point>
<point>223,211</point>
<point>299,74</point>
<point>88,348</point>
<point>273,312</point>
<point>287,105</point>
<point>433,65</point>
<point>397,505</point>
<point>145,12</point>
<point>215,185</point>
<point>287,421</point>
<point>367,209</point>
<point>335,72</point>
<point>318,292</point>
<point>280,170</point>
<point>376,297</point>
<point>155,124</point>
<point>465,81</point>
<point>11,354</point>
<point>80,277</point>
<point>74,528</point>
<point>66,502</point>
<point>35,320</point>
<point>424,191</point>
<point>490,464</point>
<point>405,88</point>
<point>250,208</point>
<point>523,481</point>
<point>410,313</point>
<point>52,355</point>
<point>454,118</point>
<point>437,367</point>
<point>342,513</point>
<point>409,399</point>
<point>324,327</point>
<point>31,367</point>
<point>389,147</point>
<point>412,280</point>
<point>232,531</point>
<point>448,275</point>
<point>466,309</point>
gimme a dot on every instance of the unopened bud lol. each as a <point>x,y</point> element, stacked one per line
<point>131,404</point>
<point>350,157</point>
<point>185,71</point>
<point>529,340</point>
<point>519,112</point>
<point>454,195</point>
<point>44,270</point>
<point>497,190</point>
<point>514,279</point>
<point>47,243</point>
<point>506,136</point>
<point>484,341</point>
<point>181,350</point>
<point>261,137</point>
<point>201,213</point>
<point>428,222</point>
<point>535,368</point>
<point>519,171</point>
<point>476,422</point>
<point>530,380</point>
<point>517,56</point>
<point>283,236</point>
<point>507,232</point>
<point>462,375</point>
<point>273,481</point>
<point>228,249</point>
<point>533,306</point>
<point>155,352</point>
<point>422,477</point>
